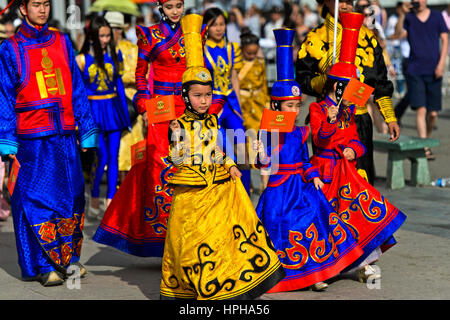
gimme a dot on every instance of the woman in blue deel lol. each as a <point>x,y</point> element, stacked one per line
<point>223,59</point>
<point>101,67</point>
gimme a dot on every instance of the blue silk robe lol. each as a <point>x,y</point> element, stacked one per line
<point>48,200</point>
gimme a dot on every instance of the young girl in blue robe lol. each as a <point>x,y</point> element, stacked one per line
<point>312,242</point>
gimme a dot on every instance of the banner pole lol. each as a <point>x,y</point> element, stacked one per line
<point>336,14</point>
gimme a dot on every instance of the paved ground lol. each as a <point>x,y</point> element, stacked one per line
<point>418,267</point>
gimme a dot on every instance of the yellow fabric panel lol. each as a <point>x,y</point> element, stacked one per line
<point>198,159</point>
<point>254,94</point>
<point>128,139</point>
<point>211,226</point>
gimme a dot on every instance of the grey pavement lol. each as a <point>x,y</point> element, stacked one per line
<point>417,268</point>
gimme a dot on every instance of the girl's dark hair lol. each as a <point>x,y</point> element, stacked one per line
<point>248,38</point>
<point>92,38</point>
<point>212,14</point>
<point>327,88</point>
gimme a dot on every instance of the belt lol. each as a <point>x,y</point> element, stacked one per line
<point>282,169</point>
<point>247,93</point>
<point>361,110</point>
<point>327,153</point>
<point>103,97</point>
<point>167,88</point>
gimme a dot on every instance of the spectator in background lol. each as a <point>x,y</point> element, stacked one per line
<point>264,5</point>
<point>446,15</point>
<point>276,22</point>
<point>424,28</point>
<point>10,29</point>
<point>380,13</point>
<point>399,52</point>
<point>254,20</point>
<point>207,4</point>
<point>311,18</point>
<point>295,21</point>
<point>302,30</point>
<point>398,49</point>
<point>235,24</point>
<point>2,32</point>
<point>365,7</point>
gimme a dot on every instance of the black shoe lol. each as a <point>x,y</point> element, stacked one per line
<point>83,270</point>
<point>51,279</point>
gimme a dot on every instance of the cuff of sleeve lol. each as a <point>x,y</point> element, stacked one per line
<point>264,163</point>
<point>310,174</point>
<point>228,163</point>
<point>327,129</point>
<point>176,155</point>
<point>386,109</point>
<point>8,147</point>
<point>139,101</point>
<point>90,139</point>
<point>357,147</point>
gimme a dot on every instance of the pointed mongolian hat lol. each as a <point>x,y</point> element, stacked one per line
<point>346,68</point>
<point>196,71</point>
<point>285,88</point>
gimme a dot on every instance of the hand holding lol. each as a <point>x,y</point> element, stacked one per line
<point>349,154</point>
<point>235,173</point>
<point>332,113</point>
<point>318,183</point>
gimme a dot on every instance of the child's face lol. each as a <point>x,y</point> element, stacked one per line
<point>200,97</point>
<point>291,106</point>
<point>250,51</point>
<point>217,30</point>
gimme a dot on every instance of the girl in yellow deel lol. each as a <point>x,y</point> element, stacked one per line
<point>253,88</point>
<point>253,82</point>
<point>216,247</point>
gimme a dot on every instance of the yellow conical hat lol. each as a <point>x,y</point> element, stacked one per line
<point>193,44</point>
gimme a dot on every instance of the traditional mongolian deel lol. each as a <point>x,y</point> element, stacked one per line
<point>130,57</point>
<point>136,219</point>
<point>216,248</point>
<point>106,94</point>
<point>254,92</point>
<point>372,219</point>
<point>44,111</point>
<point>316,56</point>
<point>221,59</point>
<point>312,242</point>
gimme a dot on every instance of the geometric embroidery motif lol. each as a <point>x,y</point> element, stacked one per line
<point>48,232</point>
